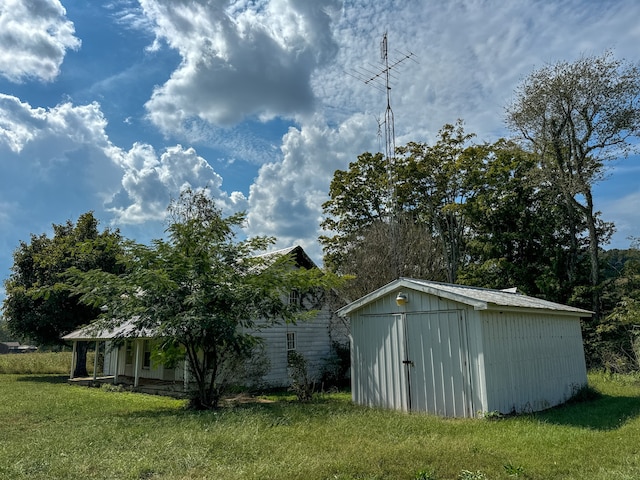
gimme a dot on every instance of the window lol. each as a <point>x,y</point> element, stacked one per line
<point>294,297</point>
<point>128,352</point>
<point>291,341</point>
<point>146,354</point>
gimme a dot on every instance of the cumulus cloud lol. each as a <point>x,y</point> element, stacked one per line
<point>285,200</point>
<point>34,37</point>
<point>239,59</point>
<point>64,155</point>
<point>151,181</point>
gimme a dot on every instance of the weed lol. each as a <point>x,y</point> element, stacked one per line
<point>512,470</point>
<point>468,475</point>
<point>425,475</point>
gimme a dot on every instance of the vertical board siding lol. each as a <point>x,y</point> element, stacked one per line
<point>377,377</point>
<point>438,348</point>
<point>465,361</point>
<point>532,361</point>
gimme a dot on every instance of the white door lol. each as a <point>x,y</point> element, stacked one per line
<point>437,364</point>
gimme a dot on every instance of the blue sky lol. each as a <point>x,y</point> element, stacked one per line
<point>115,106</point>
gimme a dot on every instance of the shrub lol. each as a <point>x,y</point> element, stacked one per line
<point>301,382</point>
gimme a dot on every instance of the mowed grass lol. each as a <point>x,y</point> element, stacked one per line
<point>49,429</point>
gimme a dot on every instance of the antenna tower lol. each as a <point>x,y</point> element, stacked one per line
<point>380,77</point>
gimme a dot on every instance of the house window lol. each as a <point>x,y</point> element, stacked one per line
<point>294,297</point>
<point>291,341</point>
<point>146,354</point>
<point>128,352</point>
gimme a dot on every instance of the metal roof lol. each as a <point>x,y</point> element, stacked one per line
<point>476,297</point>
<point>126,329</point>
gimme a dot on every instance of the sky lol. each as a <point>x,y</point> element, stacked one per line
<point>115,106</point>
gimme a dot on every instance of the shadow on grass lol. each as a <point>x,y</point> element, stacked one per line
<point>603,413</point>
<point>273,413</point>
<point>43,378</point>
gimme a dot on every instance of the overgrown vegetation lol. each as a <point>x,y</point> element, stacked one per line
<point>53,430</point>
<point>40,363</point>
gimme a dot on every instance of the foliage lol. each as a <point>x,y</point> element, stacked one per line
<point>201,290</point>
<point>301,382</point>
<point>116,435</point>
<point>469,475</point>
<point>576,116</point>
<point>39,306</point>
<point>336,367</point>
<point>424,475</point>
<point>618,333</point>
<point>513,470</point>
<point>5,334</point>
<point>39,363</point>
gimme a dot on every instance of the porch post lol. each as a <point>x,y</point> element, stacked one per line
<point>73,359</point>
<point>115,374</point>
<point>186,373</point>
<point>95,360</point>
<point>137,363</point>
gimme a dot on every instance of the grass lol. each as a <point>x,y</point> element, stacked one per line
<point>40,363</point>
<point>53,430</point>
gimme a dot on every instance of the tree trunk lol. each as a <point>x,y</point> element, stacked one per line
<point>594,247</point>
<point>81,360</point>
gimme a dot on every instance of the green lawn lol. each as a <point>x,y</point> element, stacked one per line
<point>50,430</point>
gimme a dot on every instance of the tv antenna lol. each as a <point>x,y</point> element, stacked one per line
<point>380,77</point>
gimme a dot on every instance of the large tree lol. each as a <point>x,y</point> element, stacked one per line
<point>201,291</point>
<point>372,233</point>
<point>435,182</point>
<point>576,116</point>
<point>38,305</point>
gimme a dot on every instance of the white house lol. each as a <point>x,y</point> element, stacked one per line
<point>461,351</point>
<point>128,356</point>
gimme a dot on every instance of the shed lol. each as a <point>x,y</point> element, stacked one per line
<point>461,351</point>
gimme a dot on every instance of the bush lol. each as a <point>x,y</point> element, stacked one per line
<point>335,369</point>
<point>301,382</point>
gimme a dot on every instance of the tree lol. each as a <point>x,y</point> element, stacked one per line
<point>435,182</point>
<point>576,116</point>
<point>518,227</point>
<point>375,237</point>
<point>200,291</point>
<point>38,305</point>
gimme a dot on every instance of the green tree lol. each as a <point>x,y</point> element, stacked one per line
<point>576,116</point>
<point>200,290</point>
<point>518,227</point>
<point>38,305</point>
<point>374,235</point>
<point>617,335</point>
<point>435,182</point>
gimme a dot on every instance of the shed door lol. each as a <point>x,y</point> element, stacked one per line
<point>438,364</point>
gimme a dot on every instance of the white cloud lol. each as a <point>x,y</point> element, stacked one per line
<point>246,60</point>
<point>34,37</point>
<point>285,200</point>
<point>63,154</point>
<point>151,181</point>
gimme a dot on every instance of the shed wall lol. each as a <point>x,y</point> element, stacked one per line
<point>417,357</point>
<point>532,361</point>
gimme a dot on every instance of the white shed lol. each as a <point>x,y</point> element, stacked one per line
<point>462,351</point>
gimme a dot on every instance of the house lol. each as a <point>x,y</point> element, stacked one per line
<point>15,347</point>
<point>461,351</point>
<point>128,355</point>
